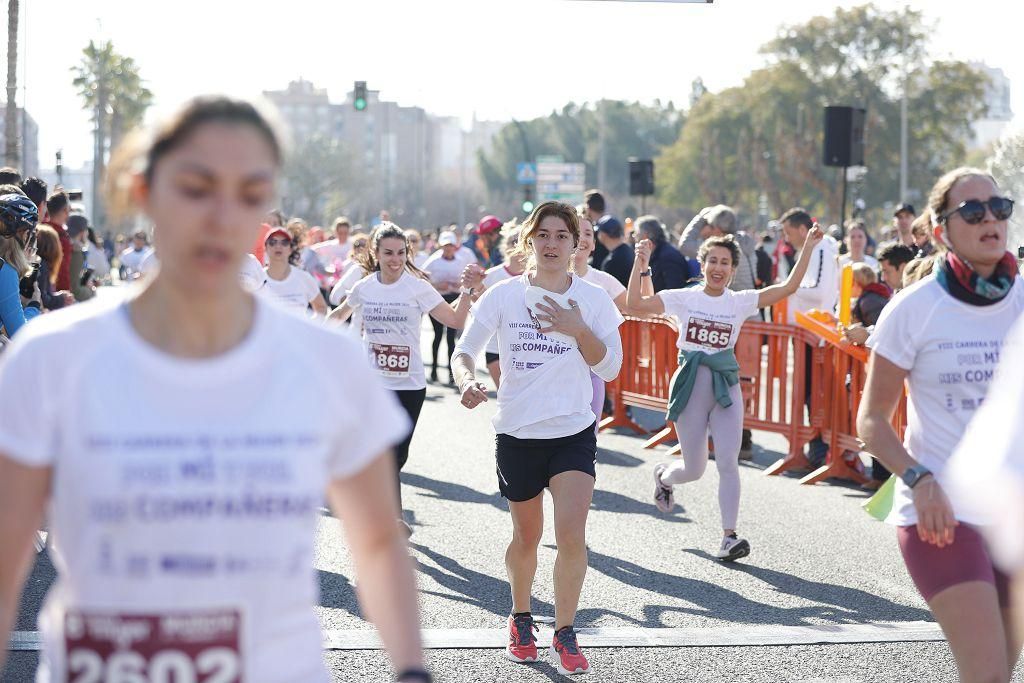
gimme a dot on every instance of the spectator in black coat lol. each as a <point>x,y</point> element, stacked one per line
<point>669,269</point>
<point>619,261</point>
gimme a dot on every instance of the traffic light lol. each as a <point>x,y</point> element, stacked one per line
<point>527,205</point>
<point>359,96</point>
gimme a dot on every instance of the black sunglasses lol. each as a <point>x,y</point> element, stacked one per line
<point>275,242</point>
<point>973,210</point>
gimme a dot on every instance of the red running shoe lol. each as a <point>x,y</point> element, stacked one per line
<point>522,644</point>
<point>566,652</point>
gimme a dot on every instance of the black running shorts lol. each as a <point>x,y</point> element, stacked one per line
<point>526,466</point>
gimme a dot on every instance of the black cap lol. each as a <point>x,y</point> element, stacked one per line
<point>904,207</point>
<point>609,225</point>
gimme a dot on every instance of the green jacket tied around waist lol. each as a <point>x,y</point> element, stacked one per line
<point>725,372</point>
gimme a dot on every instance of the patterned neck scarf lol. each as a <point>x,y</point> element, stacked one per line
<point>961,281</point>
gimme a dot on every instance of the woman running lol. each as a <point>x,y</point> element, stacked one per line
<point>183,508</point>
<point>705,394</point>
<point>553,330</point>
<point>391,301</point>
<point>942,336</point>
<point>514,265</point>
<point>18,218</point>
<point>288,284</point>
<point>445,268</point>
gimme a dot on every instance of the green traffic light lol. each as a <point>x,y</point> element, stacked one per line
<point>527,206</point>
<point>360,104</point>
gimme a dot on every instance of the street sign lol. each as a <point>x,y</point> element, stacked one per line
<point>561,182</point>
<point>526,173</point>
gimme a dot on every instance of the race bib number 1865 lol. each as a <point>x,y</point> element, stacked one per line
<point>186,647</point>
<point>708,333</point>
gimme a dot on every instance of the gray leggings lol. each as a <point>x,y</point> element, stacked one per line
<point>726,424</point>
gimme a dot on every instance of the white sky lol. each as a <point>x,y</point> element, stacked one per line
<point>497,58</point>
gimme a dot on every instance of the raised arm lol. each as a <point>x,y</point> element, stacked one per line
<point>340,314</point>
<point>638,301</point>
<point>769,296</point>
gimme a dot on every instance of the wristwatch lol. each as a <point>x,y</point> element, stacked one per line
<point>646,273</point>
<point>912,476</point>
<point>466,291</point>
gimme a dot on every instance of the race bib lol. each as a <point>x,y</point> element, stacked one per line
<point>708,333</point>
<point>391,360</point>
<point>180,647</point>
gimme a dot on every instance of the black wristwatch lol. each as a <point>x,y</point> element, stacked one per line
<point>418,675</point>
<point>912,476</point>
<point>646,273</point>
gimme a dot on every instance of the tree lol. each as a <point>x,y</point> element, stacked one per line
<point>1007,166</point>
<point>112,89</point>
<point>766,135</point>
<point>11,113</point>
<point>318,177</point>
<point>574,133</point>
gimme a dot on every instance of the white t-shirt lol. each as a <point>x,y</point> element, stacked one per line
<point>188,499</point>
<point>441,269</point>
<point>951,350</point>
<point>987,470</point>
<point>330,251</point>
<point>295,291</point>
<point>605,281</point>
<point>820,287</point>
<point>353,274</point>
<point>709,323</point>
<point>492,277</point>
<point>846,260</point>
<point>545,390</point>
<point>420,258</point>
<point>252,275</point>
<point>131,260</point>
<point>392,317</point>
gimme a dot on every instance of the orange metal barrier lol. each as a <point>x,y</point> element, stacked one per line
<point>649,358</point>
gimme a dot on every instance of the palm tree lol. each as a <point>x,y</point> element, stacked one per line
<point>11,114</point>
<point>111,87</point>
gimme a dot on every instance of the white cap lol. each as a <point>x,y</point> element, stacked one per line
<point>447,237</point>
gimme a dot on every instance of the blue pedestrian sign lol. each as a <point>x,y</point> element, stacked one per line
<point>526,173</point>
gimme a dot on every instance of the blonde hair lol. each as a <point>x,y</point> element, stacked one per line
<point>863,274</point>
<point>918,269</point>
<point>14,254</point>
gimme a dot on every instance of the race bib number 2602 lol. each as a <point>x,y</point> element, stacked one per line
<point>709,333</point>
<point>185,647</point>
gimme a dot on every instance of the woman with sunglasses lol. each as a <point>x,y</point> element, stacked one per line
<point>942,336</point>
<point>18,218</point>
<point>391,302</point>
<point>553,330</point>
<point>184,508</point>
<point>288,284</point>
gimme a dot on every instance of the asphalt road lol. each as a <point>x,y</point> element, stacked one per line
<point>817,560</point>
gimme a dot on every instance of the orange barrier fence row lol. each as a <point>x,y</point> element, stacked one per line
<point>778,395</point>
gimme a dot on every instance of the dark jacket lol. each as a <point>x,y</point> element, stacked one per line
<point>669,270</point>
<point>870,303</point>
<point>51,301</point>
<point>619,263</point>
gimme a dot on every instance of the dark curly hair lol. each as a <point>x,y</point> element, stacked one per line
<point>724,241</point>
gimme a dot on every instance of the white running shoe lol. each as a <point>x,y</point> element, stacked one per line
<point>664,499</point>
<point>733,548</point>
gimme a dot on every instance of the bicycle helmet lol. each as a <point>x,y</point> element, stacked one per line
<point>17,213</point>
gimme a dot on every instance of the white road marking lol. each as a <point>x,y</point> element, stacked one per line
<point>727,636</point>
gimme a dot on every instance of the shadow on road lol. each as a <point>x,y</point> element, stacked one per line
<point>37,584</point>
<point>606,456</point>
<point>838,604</point>
<point>610,501</point>
<point>446,490</point>
<point>337,592</point>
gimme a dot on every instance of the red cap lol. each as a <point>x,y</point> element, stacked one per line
<point>487,225</point>
<point>277,231</point>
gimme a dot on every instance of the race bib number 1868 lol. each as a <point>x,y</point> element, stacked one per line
<point>186,647</point>
<point>708,333</point>
<point>391,360</point>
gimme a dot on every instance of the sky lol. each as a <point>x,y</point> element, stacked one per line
<point>493,59</point>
